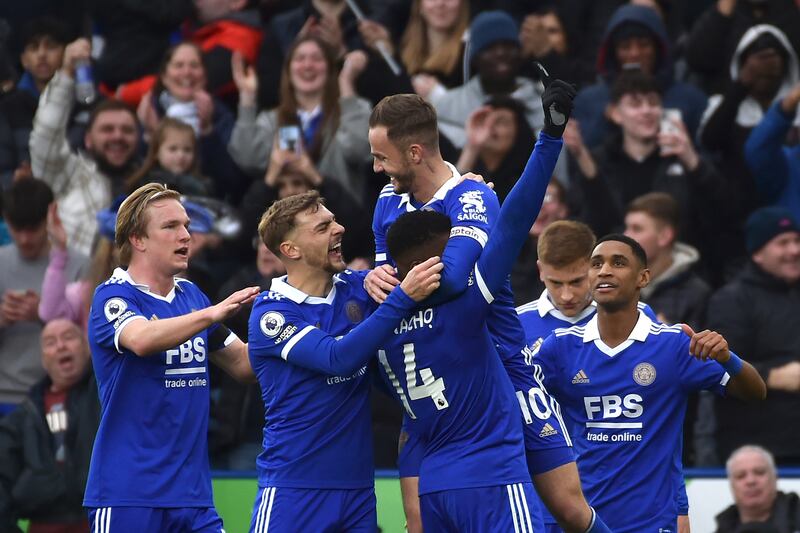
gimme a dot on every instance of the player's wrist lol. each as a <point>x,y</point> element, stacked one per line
<point>733,365</point>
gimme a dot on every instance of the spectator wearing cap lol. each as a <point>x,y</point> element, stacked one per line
<point>759,507</point>
<point>635,37</point>
<point>776,165</point>
<point>22,269</point>
<point>46,444</point>
<point>763,70</point>
<point>758,314</point>
<point>494,53</point>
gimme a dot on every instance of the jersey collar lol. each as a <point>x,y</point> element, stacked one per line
<point>455,179</point>
<point>122,274</point>
<point>640,331</point>
<point>280,286</point>
<point>545,306</point>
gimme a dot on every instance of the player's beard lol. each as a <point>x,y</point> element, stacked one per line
<point>402,180</point>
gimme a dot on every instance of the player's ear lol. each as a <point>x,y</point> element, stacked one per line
<point>290,250</point>
<point>416,153</point>
<point>644,278</point>
<point>137,242</point>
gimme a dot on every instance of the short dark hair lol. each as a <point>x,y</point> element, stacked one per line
<point>26,202</point>
<point>633,82</point>
<point>110,105</point>
<point>658,205</point>
<point>637,249</point>
<point>39,28</point>
<point>408,119</point>
<point>563,242</point>
<point>415,229</point>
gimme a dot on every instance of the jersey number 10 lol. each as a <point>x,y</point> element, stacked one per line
<point>427,386</point>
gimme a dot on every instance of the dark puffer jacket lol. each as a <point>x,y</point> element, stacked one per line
<point>32,484</point>
<point>759,315</point>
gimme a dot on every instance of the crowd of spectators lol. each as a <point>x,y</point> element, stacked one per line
<point>684,136</point>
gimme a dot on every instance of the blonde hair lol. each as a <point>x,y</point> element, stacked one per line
<point>132,216</point>
<point>279,219</point>
<point>415,50</point>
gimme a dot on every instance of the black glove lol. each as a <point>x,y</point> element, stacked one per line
<point>556,102</point>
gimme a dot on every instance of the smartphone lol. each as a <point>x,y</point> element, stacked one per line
<point>289,138</point>
<point>668,119</point>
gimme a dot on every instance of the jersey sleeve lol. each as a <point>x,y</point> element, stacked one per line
<point>545,357</point>
<point>381,253</point>
<point>646,309</point>
<point>278,328</point>
<point>517,215</point>
<point>698,375</point>
<point>113,308</point>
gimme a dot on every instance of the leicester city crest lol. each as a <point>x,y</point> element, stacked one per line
<point>354,312</point>
<point>644,374</point>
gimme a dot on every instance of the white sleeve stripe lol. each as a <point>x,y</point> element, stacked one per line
<point>725,379</point>
<point>487,295</point>
<point>380,257</point>
<point>294,340</point>
<point>472,232</point>
<point>229,339</point>
<point>123,326</point>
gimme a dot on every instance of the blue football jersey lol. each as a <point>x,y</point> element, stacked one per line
<point>151,449</point>
<point>317,428</point>
<point>625,408</point>
<point>473,209</point>
<point>442,366</point>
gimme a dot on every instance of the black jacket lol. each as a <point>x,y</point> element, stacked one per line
<point>32,484</point>
<point>785,516</point>
<point>759,316</point>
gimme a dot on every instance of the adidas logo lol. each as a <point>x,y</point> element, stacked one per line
<point>580,378</point>
<point>547,430</point>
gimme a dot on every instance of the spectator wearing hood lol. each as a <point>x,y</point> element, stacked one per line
<point>635,38</point>
<point>494,52</point>
<point>757,313</point>
<point>763,70</point>
<point>716,35</point>
<point>775,164</point>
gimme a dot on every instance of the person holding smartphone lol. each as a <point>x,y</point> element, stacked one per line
<point>320,115</point>
<point>650,151</point>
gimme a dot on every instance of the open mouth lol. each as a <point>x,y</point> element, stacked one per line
<point>182,252</point>
<point>336,250</point>
<point>65,361</point>
<point>605,287</point>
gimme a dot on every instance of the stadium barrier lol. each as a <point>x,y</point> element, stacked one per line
<point>707,488</point>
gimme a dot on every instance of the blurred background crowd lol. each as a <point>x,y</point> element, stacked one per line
<point>684,136</point>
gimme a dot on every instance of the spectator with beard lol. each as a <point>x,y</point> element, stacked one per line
<point>83,182</point>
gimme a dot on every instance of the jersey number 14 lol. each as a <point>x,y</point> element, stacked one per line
<point>426,385</point>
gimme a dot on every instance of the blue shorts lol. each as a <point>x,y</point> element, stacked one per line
<point>501,508</point>
<point>285,509</point>
<point>140,519</point>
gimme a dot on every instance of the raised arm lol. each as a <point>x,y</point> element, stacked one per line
<point>522,204</point>
<point>52,159</point>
